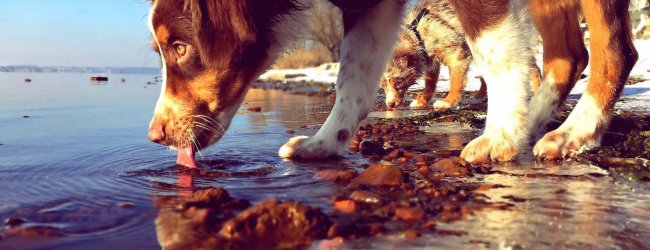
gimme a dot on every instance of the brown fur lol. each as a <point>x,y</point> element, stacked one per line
<point>565,57</point>
<point>227,43</point>
<point>445,43</point>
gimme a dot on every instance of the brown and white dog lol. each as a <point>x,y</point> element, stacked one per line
<point>431,35</point>
<point>213,49</point>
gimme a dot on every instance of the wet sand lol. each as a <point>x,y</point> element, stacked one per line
<point>79,173</point>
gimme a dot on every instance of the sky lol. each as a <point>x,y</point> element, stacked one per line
<point>75,33</point>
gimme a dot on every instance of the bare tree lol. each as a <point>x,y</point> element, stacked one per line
<point>325,27</point>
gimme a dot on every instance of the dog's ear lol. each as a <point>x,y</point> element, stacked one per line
<point>224,28</point>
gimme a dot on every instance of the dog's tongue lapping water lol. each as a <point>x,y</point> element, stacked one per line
<point>186,157</point>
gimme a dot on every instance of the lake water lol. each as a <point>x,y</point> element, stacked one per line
<point>74,156</point>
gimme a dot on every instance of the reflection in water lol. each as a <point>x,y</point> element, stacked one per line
<point>83,153</point>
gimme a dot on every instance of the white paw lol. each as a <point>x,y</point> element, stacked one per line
<point>308,148</point>
<point>440,104</point>
<point>490,147</point>
<point>564,143</point>
<point>417,104</point>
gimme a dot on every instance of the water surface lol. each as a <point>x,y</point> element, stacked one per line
<point>73,153</point>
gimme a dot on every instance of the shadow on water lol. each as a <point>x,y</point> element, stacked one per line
<point>79,172</point>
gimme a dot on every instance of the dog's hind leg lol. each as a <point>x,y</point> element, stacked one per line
<point>565,56</point>
<point>498,33</point>
<point>365,50</point>
<point>430,83</point>
<point>613,56</point>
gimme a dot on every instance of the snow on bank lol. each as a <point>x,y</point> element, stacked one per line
<point>325,73</point>
<point>635,97</point>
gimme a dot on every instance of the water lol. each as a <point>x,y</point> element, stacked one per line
<point>81,153</point>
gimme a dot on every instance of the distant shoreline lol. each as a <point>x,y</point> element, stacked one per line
<point>75,69</point>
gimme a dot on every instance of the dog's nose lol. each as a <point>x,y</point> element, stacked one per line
<point>157,135</point>
<point>157,130</point>
<point>391,104</point>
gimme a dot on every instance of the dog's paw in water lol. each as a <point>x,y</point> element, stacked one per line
<point>488,148</point>
<point>564,143</point>
<point>304,147</point>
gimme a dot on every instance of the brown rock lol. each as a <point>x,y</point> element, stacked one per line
<point>255,109</point>
<point>287,225</point>
<point>409,213</point>
<point>346,206</point>
<point>365,197</point>
<point>13,221</point>
<point>125,205</point>
<point>452,167</point>
<point>380,175</point>
<point>370,148</point>
<point>291,131</point>
<point>340,176</point>
<point>411,234</point>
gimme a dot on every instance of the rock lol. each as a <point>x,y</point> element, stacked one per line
<point>451,167</point>
<point>366,197</point>
<point>370,148</point>
<point>340,176</point>
<point>380,175</point>
<point>291,131</point>
<point>13,221</point>
<point>274,224</point>
<point>346,206</point>
<point>411,234</point>
<point>125,205</point>
<point>409,214</point>
<point>255,109</point>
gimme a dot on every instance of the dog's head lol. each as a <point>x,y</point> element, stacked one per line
<point>402,71</point>
<point>211,51</point>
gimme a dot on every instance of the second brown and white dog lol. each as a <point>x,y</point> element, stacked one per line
<point>431,36</point>
<point>212,50</point>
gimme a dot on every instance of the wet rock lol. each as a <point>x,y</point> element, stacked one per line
<point>370,148</point>
<point>13,221</point>
<point>366,197</point>
<point>380,175</point>
<point>346,206</point>
<point>126,205</point>
<point>451,167</point>
<point>411,234</point>
<point>340,176</point>
<point>255,109</point>
<point>273,224</point>
<point>409,214</point>
<point>291,131</point>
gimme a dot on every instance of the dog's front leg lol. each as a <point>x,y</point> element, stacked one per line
<point>365,50</point>
<point>500,42</point>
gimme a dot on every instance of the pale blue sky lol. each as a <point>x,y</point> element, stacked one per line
<point>75,33</point>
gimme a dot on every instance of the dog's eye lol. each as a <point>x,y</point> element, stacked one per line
<point>180,49</point>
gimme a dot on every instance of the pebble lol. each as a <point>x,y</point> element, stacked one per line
<point>255,109</point>
<point>125,205</point>
<point>346,206</point>
<point>341,176</point>
<point>13,221</point>
<point>411,234</point>
<point>366,197</point>
<point>380,175</point>
<point>409,213</point>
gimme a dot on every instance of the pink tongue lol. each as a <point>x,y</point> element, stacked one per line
<point>186,157</point>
